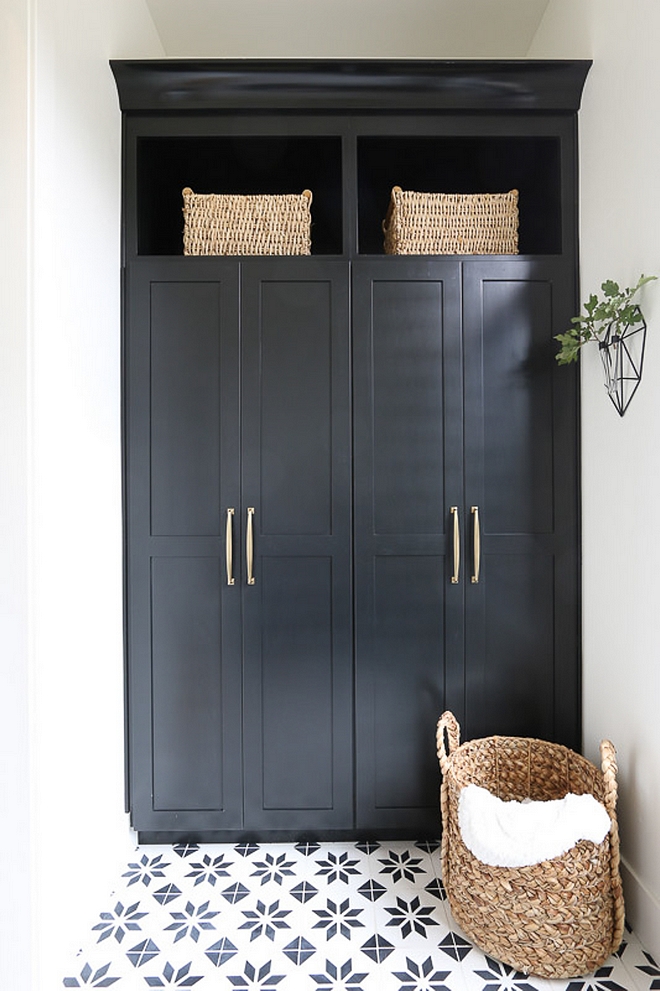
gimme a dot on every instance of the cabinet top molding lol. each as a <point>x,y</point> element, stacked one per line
<point>351,85</point>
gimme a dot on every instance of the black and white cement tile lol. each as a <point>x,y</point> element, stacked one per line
<point>306,917</point>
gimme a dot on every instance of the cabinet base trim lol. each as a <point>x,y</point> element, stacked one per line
<point>284,836</point>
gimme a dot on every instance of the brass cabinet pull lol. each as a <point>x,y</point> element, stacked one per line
<point>249,545</point>
<point>476,547</point>
<point>457,546</point>
<point>229,547</point>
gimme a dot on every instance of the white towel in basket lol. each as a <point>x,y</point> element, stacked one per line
<point>517,834</point>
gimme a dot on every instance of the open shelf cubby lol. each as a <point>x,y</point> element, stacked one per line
<point>459,164</point>
<point>243,165</point>
<point>247,164</point>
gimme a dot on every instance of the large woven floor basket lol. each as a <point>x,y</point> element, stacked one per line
<point>451,223</point>
<point>227,224</point>
<point>558,919</point>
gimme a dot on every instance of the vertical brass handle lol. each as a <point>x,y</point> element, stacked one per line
<point>229,547</point>
<point>476,547</point>
<point>457,546</point>
<point>249,545</point>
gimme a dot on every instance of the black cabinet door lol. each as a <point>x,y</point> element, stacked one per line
<point>297,616</point>
<point>182,471</point>
<point>521,630</point>
<point>462,418</point>
<point>408,476</point>
<point>240,693</point>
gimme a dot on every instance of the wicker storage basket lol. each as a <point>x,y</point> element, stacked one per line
<point>224,224</point>
<point>558,919</point>
<point>451,223</point>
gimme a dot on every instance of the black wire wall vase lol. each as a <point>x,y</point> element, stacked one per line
<point>622,355</point>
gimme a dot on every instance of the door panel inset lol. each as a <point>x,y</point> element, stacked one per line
<point>408,460</point>
<point>297,677</point>
<point>408,667</point>
<point>296,396</point>
<point>187,684</point>
<point>517,384</point>
<point>510,687</point>
<point>185,408</point>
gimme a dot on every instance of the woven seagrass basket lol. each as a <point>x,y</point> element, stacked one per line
<point>451,223</point>
<point>227,224</point>
<point>558,919</point>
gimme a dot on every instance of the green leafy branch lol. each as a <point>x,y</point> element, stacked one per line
<point>614,309</point>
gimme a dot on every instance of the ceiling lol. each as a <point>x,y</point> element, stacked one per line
<point>346,28</point>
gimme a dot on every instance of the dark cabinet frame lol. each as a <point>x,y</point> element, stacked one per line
<point>355,127</point>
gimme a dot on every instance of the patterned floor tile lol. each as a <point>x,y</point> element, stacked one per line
<point>413,915</point>
<point>424,968</point>
<point>642,969</point>
<point>483,973</point>
<point>303,917</point>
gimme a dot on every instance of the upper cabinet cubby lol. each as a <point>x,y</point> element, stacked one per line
<point>235,164</point>
<point>459,164</point>
<point>349,132</point>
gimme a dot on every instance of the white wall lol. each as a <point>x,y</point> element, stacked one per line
<point>65,337</point>
<point>14,693</point>
<point>620,225</point>
<point>347,28</point>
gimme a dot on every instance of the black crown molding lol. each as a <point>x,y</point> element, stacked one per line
<point>175,85</point>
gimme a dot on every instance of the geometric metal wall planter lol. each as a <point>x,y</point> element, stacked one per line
<point>618,326</point>
<point>622,356</point>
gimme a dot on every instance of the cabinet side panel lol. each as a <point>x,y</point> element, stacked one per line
<point>185,408</point>
<point>187,684</point>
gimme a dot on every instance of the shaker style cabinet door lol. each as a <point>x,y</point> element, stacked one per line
<point>408,476</point>
<point>296,484</point>
<point>183,619</point>
<point>521,622</point>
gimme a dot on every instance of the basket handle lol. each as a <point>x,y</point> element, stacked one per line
<point>447,724</point>
<point>390,208</point>
<point>609,767</point>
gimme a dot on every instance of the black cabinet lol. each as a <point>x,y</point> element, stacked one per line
<point>465,523</point>
<point>239,431</point>
<point>351,482</point>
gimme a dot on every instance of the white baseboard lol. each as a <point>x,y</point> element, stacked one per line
<point>642,910</point>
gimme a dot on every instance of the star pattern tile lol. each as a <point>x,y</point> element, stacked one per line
<point>314,916</point>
